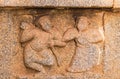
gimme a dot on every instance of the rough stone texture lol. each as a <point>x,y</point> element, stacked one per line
<point>9,45</point>
<point>112,45</point>
<point>5,48</point>
<point>62,3</point>
<point>116,3</point>
<point>57,3</point>
<point>87,52</point>
<point>12,53</point>
<point>12,61</point>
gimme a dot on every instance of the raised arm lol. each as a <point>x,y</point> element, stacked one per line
<point>28,32</point>
<point>27,35</point>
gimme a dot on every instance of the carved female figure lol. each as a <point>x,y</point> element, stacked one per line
<point>87,51</point>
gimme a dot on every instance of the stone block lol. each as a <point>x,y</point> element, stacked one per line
<point>112,45</point>
<point>116,4</point>
<point>58,3</point>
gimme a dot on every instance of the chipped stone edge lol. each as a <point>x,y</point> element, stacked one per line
<point>34,4</point>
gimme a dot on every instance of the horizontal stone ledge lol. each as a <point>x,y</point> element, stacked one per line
<point>59,3</point>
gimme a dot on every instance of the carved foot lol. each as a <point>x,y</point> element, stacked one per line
<point>70,69</point>
<point>74,70</point>
<point>22,77</point>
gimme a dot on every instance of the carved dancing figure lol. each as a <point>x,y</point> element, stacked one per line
<point>87,52</point>
<point>38,43</point>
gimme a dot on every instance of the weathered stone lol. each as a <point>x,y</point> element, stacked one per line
<point>62,21</point>
<point>86,53</point>
<point>112,45</point>
<point>9,45</point>
<point>57,3</point>
<point>116,4</point>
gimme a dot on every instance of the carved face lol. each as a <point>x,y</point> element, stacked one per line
<point>25,25</point>
<point>82,23</point>
<point>45,23</point>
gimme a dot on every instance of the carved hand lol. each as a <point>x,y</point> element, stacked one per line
<point>56,43</point>
<point>59,43</point>
<point>71,34</point>
<point>23,25</point>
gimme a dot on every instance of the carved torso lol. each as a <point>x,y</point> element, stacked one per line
<point>40,41</point>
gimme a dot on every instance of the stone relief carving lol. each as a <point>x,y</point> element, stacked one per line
<point>39,42</point>
<point>86,39</point>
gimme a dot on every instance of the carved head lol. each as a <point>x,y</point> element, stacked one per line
<point>45,23</point>
<point>25,25</point>
<point>83,23</point>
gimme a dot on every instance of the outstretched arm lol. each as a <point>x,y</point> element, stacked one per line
<point>70,34</point>
<point>28,31</point>
<point>58,43</point>
<point>26,35</point>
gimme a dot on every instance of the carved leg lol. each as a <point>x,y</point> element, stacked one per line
<point>47,57</point>
<point>85,58</point>
<point>80,60</point>
<point>31,58</point>
<point>36,66</point>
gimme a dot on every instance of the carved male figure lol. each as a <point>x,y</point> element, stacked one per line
<point>39,41</point>
<point>87,51</point>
